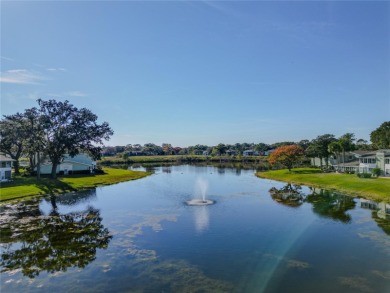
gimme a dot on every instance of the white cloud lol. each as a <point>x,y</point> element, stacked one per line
<point>6,58</point>
<point>56,69</point>
<point>20,76</point>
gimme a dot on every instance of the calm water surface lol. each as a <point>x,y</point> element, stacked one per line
<point>139,236</point>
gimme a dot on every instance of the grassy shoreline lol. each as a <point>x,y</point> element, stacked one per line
<point>24,187</point>
<point>376,189</point>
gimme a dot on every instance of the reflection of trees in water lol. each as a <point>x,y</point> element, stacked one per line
<point>36,242</point>
<point>289,195</point>
<point>332,205</point>
<point>235,166</point>
<point>325,203</point>
<point>72,198</point>
<point>13,213</point>
<point>167,169</point>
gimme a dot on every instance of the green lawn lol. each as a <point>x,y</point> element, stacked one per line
<point>377,189</point>
<point>22,187</point>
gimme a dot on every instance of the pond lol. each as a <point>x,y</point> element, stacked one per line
<point>141,236</point>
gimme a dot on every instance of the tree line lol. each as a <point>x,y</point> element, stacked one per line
<point>323,146</point>
<point>51,130</point>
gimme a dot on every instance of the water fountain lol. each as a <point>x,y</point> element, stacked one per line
<point>201,188</point>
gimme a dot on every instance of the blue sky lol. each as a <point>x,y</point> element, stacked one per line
<point>203,72</point>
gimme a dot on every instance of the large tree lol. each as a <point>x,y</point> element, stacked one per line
<point>362,144</point>
<point>380,137</point>
<point>313,151</point>
<point>167,148</point>
<point>35,141</point>
<point>287,155</point>
<point>21,134</point>
<point>150,149</point>
<point>262,147</point>
<point>304,143</point>
<point>320,147</point>
<point>69,130</point>
<point>13,137</point>
<point>219,149</point>
<point>335,148</point>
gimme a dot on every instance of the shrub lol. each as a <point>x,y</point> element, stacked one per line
<point>376,172</point>
<point>99,171</point>
<point>364,175</point>
<point>74,172</point>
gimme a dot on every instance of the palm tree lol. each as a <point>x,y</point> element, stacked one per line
<point>346,142</point>
<point>335,148</point>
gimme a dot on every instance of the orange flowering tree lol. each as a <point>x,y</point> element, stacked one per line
<point>287,155</point>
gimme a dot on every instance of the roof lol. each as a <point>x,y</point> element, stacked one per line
<point>386,151</point>
<point>74,162</point>
<point>5,159</point>
<point>369,155</point>
<point>66,162</point>
<point>354,163</point>
<point>372,154</point>
<point>362,153</point>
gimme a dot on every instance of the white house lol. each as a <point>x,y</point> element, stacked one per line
<point>249,153</point>
<point>79,164</point>
<point>376,159</point>
<point>360,161</point>
<point>5,168</point>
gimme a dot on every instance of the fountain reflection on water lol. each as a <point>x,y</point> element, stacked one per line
<point>202,219</point>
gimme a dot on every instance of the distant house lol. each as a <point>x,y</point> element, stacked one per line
<point>136,153</point>
<point>231,152</point>
<point>5,168</point>
<point>79,164</point>
<point>200,152</point>
<point>250,153</point>
<point>360,161</point>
